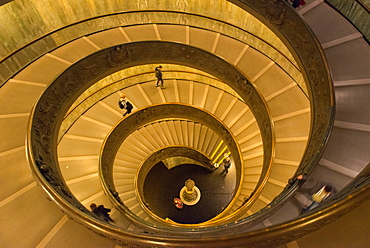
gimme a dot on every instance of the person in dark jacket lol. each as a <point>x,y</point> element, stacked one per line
<point>124,104</point>
<point>159,75</point>
<point>297,3</point>
<point>226,163</point>
<point>101,212</point>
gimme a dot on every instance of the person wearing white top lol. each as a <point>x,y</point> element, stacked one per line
<point>319,197</point>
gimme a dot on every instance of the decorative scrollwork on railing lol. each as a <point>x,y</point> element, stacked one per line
<point>58,97</point>
<point>273,11</point>
<point>305,47</point>
<point>356,11</point>
<point>361,180</point>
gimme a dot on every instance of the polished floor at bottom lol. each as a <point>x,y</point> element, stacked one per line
<point>161,186</point>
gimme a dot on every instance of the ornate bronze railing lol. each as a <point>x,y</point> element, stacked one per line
<point>83,106</point>
<point>155,113</point>
<point>356,11</point>
<point>14,57</point>
<point>168,152</point>
<point>55,102</point>
<point>57,98</point>
<point>112,88</point>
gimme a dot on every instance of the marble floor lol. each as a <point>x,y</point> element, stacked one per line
<point>161,186</point>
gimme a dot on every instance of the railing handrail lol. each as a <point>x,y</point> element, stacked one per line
<point>145,116</point>
<point>364,5</point>
<point>50,35</point>
<point>214,222</point>
<point>351,14</point>
<point>111,93</point>
<point>275,14</point>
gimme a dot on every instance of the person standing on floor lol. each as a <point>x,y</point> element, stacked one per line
<point>159,76</point>
<point>226,163</point>
<point>124,104</point>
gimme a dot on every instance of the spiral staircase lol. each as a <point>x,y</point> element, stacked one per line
<point>215,117</point>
